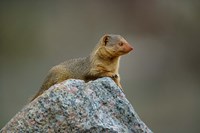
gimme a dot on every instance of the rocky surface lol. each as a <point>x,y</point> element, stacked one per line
<point>76,106</point>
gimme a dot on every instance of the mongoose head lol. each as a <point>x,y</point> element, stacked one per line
<point>115,45</point>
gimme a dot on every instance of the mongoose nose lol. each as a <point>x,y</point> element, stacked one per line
<point>130,48</point>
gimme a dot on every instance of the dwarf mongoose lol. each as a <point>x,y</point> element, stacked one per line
<point>102,62</point>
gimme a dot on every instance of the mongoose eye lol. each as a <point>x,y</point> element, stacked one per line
<point>121,44</point>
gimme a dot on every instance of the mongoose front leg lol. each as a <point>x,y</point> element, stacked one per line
<point>114,77</point>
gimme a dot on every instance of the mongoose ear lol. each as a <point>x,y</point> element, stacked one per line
<point>105,39</point>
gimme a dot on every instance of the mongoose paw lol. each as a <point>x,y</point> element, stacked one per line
<point>115,76</point>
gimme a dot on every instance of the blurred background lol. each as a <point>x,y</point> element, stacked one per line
<point>161,78</point>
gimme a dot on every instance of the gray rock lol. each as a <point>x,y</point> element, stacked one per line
<point>74,106</point>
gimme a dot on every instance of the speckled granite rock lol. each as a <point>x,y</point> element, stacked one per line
<point>74,106</point>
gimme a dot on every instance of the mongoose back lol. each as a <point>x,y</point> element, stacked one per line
<point>102,62</point>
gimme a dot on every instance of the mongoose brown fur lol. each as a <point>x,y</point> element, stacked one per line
<point>102,62</point>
